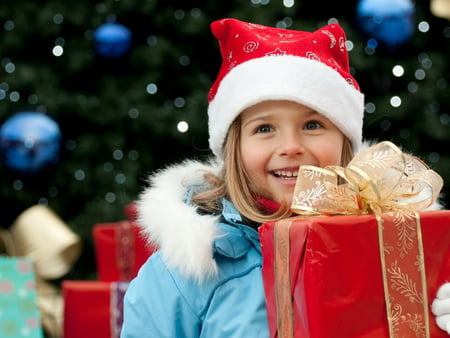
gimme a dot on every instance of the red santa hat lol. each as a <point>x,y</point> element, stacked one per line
<point>263,63</point>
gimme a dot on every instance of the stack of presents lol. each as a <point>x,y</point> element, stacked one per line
<point>361,259</point>
<point>38,248</point>
<point>95,308</point>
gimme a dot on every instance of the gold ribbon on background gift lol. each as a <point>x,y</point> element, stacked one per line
<point>440,8</point>
<point>395,186</point>
<point>40,235</point>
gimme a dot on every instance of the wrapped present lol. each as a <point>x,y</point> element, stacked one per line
<point>130,211</point>
<point>120,250</point>
<point>370,269</point>
<point>19,312</point>
<point>41,236</point>
<point>93,308</point>
<point>335,274</point>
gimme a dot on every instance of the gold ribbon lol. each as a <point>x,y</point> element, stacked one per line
<point>440,8</point>
<point>40,235</point>
<point>380,178</point>
<point>394,186</point>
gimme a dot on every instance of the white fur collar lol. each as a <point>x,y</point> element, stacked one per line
<point>184,237</point>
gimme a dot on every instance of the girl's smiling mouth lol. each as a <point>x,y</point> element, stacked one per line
<point>285,173</point>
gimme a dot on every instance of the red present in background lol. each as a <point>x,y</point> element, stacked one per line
<point>336,275</point>
<point>131,212</point>
<point>93,308</point>
<point>120,250</point>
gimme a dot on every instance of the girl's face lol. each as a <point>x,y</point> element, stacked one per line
<point>277,137</point>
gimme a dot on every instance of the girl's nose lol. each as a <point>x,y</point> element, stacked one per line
<point>291,145</point>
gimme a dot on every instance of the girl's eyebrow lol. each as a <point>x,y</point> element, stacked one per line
<point>262,117</point>
<point>312,112</point>
<point>315,115</point>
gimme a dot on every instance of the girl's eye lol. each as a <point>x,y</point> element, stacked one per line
<point>264,129</point>
<point>311,125</point>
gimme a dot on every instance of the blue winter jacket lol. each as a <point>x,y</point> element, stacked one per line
<point>205,281</point>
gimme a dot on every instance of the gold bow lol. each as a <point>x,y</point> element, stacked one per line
<point>395,187</point>
<point>380,178</point>
<point>40,235</point>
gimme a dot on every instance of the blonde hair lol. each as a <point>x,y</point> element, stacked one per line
<point>234,182</point>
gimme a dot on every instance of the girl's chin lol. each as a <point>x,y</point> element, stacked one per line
<point>281,195</point>
<point>285,198</point>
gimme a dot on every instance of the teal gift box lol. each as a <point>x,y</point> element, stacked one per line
<point>19,313</point>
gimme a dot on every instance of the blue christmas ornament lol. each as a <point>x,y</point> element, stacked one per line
<point>29,142</point>
<point>112,40</point>
<point>390,22</point>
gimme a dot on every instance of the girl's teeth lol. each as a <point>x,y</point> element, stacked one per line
<point>287,174</point>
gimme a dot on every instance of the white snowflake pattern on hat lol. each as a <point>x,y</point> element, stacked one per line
<point>250,46</point>
<point>277,51</point>
<point>312,56</point>
<point>342,44</point>
<point>331,36</point>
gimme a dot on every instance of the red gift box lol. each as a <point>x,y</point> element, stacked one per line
<point>93,308</point>
<point>120,250</point>
<point>131,212</point>
<point>335,274</point>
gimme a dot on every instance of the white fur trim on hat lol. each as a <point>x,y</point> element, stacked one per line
<point>286,77</point>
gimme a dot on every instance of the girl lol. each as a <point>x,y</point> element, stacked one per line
<point>282,99</point>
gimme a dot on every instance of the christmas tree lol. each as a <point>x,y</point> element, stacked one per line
<point>128,111</point>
